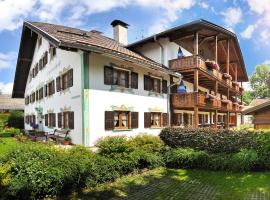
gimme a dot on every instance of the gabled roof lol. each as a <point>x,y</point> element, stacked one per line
<point>257,107</point>
<point>69,38</point>
<point>256,102</point>
<point>8,103</point>
<point>192,27</point>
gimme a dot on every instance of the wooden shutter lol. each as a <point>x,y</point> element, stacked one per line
<point>147,120</point>
<point>46,119</point>
<point>147,82</point>
<point>70,78</point>
<point>134,80</point>
<point>164,119</point>
<point>53,87</point>
<point>53,119</point>
<point>109,120</point>
<point>59,119</point>
<point>134,120</point>
<point>40,64</point>
<point>158,82</point>
<point>45,90</point>
<point>108,75</point>
<point>37,95</point>
<point>127,79</point>
<point>164,86</point>
<point>45,58</point>
<point>71,120</point>
<point>58,83</point>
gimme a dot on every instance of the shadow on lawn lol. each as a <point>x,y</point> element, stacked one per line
<point>183,184</point>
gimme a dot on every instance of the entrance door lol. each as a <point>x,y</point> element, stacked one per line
<point>39,122</point>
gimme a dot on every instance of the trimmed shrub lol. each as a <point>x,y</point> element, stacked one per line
<point>16,119</point>
<point>263,149</point>
<point>185,158</point>
<point>210,140</point>
<point>149,143</point>
<point>113,145</point>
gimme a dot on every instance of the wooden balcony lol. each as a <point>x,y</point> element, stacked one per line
<point>189,100</point>
<point>226,106</point>
<point>236,107</point>
<point>187,65</point>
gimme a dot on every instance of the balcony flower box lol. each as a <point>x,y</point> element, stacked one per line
<point>210,97</point>
<point>225,101</point>
<point>235,83</point>
<point>227,76</point>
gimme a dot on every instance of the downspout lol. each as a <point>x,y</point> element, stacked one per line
<point>161,49</point>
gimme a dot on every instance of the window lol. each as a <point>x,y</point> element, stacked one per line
<point>121,120</point>
<point>40,93</point>
<point>49,88</point>
<point>187,119</point>
<point>36,70</point>
<point>66,120</point>
<point>52,51</point>
<point>201,120</point>
<point>113,76</point>
<point>39,41</point>
<point>45,59</point>
<point>50,120</point>
<point>64,81</point>
<point>26,100</point>
<point>117,120</point>
<point>177,119</point>
<point>154,84</point>
<point>155,119</point>
<point>40,64</point>
<point>32,97</point>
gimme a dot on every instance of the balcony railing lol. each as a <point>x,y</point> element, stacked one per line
<point>226,105</point>
<point>189,62</point>
<point>189,100</point>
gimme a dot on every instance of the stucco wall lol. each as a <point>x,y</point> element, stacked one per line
<point>69,99</point>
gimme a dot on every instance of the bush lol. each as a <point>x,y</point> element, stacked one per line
<point>210,140</point>
<point>149,143</point>
<point>185,158</point>
<point>16,119</point>
<point>113,145</point>
<point>10,132</point>
<point>263,149</point>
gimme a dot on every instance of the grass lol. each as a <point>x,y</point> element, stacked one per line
<point>183,184</point>
<point>6,144</point>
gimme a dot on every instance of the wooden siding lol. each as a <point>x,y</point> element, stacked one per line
<point>262,119</point>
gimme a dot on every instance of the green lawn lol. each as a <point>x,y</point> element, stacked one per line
<point>7,144</point>
<point>183,184</point>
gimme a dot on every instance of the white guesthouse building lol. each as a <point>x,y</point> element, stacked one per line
<point>97,86</point>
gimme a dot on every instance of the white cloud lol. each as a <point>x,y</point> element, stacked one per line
<point>7,60</point>
<point>6,88</point>
<point>232,16</point>
<point>172,9</point>
<point>262,15</point>
<point>13,12</point>
<point>266,62</point>
<point>246,86</point>
<point>203,5</point>
<point>247,33</point>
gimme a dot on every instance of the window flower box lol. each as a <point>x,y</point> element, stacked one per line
<point>227,76</point>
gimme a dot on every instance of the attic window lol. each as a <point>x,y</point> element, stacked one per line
<point>39,41</point>
<point>74,33</point>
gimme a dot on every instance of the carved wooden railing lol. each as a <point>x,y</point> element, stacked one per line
<point>191,99</point>
<point>186,62</point>
<point>226,105</point>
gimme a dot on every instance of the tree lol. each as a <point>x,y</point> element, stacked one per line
<point>247,97</point>
<point>259,81</point>
<point>16,119</point>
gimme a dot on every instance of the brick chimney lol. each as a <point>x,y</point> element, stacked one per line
<point>120,31</point>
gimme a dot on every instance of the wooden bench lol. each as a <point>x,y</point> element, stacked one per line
<point>58,135</point>
<point>35,135</point>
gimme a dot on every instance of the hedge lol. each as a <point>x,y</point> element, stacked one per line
<point>210,140</point>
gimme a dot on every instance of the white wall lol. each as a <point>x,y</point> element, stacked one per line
<point>69,99</point>
<point>102,98</point>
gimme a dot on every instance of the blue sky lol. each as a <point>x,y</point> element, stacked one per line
<point>249,19</point>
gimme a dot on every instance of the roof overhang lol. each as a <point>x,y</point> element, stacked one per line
<point>26,51</point>
<point>254,109</point>
<point>191,28</point>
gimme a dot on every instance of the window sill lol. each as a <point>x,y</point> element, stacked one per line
<point>123,129</point>
<point>155,127</point>
<point>121,89</point>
